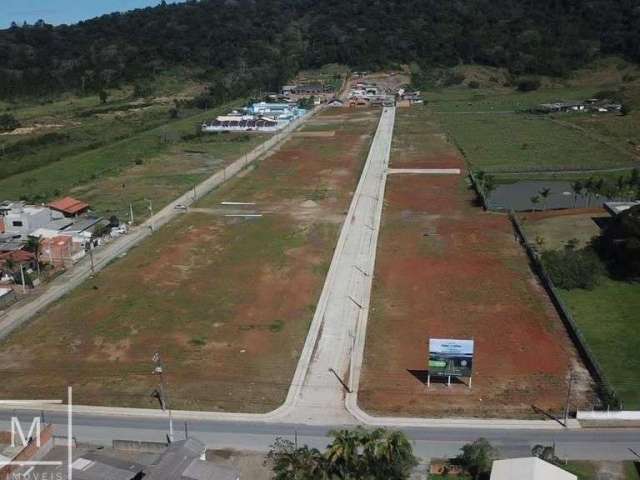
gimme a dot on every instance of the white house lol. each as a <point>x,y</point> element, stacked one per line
<point>529,468</point>
<point>21,219</point>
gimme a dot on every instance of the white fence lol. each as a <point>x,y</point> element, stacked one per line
<point>609,419</point>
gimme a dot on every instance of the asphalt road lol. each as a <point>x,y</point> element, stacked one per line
<point>595,444</point>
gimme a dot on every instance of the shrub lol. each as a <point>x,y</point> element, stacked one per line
<point>473,84</point>
<point>141,90</point>
<point>528,84</point>
<point>453,78</point>
<point>570,269</point>
<point>8,122</point>
<point>620,243</point>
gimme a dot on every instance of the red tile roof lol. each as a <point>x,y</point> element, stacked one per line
<point>20,256</point>
<point>69,205</point>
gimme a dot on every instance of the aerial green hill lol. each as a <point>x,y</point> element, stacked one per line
<point>241,45</point>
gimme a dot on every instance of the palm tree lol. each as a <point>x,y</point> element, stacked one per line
<point>489,185</point>
<point>588,187</point>
<point>577,188</point>
<point>544,193</point>
<point>599,187</point>
<point>621,186</point>
<point>535,200</point>
<point>343,453</point>
<point>289,462</point>
<point>394,457</point>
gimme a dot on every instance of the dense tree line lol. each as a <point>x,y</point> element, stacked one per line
<point>242,45</point>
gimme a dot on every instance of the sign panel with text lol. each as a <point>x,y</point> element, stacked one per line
<point>450,357</point>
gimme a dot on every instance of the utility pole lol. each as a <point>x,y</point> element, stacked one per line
<point>24,290</point>
<point>93,267</point>
<point>162,394</point>
<point>131,213</point>
<point>566,407</point>
<point>150,208</point>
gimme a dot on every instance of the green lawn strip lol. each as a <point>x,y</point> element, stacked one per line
<point>165,176</point>
<point>583,469</point>
<point>28,153</point>
<point>608,318</point>
<point>109,160</point>
<point>497,142</point>
<point>612,176</point>
<point>457,99</point>
<point>632,470</point>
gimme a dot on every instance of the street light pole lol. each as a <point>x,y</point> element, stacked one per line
<point>164,400</point>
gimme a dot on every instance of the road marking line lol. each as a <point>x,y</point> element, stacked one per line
<point>427,171</point>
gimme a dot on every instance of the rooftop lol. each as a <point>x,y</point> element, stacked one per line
<point>181,461</point>
<point>93,466</point>
<point>616,208</point>
<point>529,468</point>
<point>69,205</point>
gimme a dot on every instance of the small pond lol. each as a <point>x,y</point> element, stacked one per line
<point>517,196</point>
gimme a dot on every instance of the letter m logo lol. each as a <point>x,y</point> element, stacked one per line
<point>16,428</point>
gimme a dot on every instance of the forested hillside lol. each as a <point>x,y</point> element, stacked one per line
<point>239,45</point>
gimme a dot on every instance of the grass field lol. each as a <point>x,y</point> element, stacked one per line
<point>485,126</point>
<point>446,269</point>
<point>158,160</point>
<point>128,151</point>
<point>212,293</point>
<point>597,470</point>
<point>606,315</point>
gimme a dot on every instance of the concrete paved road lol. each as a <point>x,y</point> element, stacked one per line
<point>428,442</point>
<point>321,378</point>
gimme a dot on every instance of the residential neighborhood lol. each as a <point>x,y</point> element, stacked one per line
<point>49,237</point>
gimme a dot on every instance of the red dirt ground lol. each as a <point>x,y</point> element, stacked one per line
<point>445,269</point>
<point>227,301</point>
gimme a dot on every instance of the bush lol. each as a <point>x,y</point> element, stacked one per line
<point>570,269</point>
<point>620,243</point>
<point>141,90</point>
<point>528,84</point>
<point>8,122</point>
<point>453,78</point>
<point>473,84</point>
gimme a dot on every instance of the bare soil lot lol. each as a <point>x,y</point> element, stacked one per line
<point>445,269</point>
<point>226,300</point>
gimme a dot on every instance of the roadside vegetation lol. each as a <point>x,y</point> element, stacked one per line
<point>366,454</point>
<point>598,280</point>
